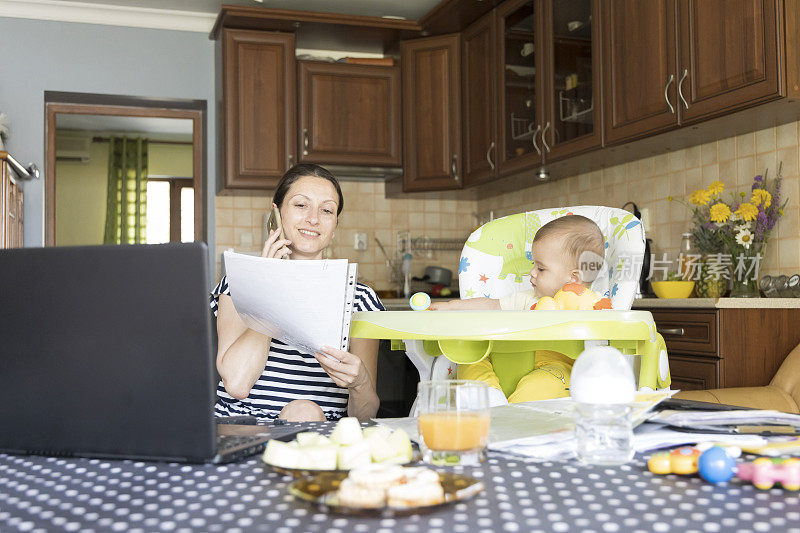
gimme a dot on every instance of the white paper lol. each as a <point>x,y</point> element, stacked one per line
<point>301,303</point>
<point>688,418</point>
<point>653,436</point>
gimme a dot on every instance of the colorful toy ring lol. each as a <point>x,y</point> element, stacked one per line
<point>419,301</point>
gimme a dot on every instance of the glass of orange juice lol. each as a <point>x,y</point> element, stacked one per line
<point>453,421</point>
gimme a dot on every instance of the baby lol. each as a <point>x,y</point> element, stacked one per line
<point>569,249</point>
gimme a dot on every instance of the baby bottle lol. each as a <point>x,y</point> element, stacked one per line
<point>603,386</point>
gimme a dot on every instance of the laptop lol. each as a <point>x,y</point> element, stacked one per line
<point>106,351</point>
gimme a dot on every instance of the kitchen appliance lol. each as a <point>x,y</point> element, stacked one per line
<point>438,275</point>
<point>644,284</point>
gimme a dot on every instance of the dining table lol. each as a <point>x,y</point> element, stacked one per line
<point>41,493</point>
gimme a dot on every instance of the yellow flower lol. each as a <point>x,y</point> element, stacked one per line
<point>719,212</point>
<point>759,195</point>
<point>700,197</point>
<point>747,212</point>
<point>716,187</point>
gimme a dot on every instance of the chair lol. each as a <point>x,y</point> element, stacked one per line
<point>495,262</point>
<point>782,393</point>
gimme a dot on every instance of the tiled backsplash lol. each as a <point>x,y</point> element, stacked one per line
<point>648,182</point>
<point>366,210</point>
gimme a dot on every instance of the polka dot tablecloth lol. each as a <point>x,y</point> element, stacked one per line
<point>58,494</point>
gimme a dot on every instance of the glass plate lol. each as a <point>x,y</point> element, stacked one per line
<point>321,489</point>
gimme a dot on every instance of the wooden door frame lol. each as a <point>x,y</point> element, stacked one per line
<point>132,106</point>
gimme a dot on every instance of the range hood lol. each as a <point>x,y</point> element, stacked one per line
<point>357,173</point>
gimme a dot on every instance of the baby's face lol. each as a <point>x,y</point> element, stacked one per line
<point>551,270</point>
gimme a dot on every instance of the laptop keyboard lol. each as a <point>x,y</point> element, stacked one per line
<point>227,442</point>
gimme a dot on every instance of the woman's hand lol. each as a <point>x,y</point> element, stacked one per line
<point>346,370</point>
<point>276,247</point>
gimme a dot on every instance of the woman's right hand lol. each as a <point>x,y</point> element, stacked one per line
<point>276,247</point>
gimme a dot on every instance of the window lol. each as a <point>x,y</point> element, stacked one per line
<point>170,210</point>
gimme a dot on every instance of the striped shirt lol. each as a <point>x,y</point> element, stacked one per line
<point>290,374</point>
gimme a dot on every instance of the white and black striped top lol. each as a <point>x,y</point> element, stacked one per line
<point>290,374</point>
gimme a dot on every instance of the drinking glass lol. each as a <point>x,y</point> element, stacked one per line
<point>453,421</point>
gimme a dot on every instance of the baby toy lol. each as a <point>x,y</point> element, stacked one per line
<point>716,465</point>
<point>765,472</point>
<point>420,301</point>
<point>574,297</point>
<point>679,461</point>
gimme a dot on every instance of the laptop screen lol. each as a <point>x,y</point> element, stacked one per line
<point>107,351</point>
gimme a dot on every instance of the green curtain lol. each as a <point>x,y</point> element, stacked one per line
<point>126,209</point>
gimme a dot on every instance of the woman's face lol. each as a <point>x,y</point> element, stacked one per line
<point>309,216</point>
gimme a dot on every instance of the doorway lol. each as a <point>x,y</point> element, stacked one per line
<point>81,133</point>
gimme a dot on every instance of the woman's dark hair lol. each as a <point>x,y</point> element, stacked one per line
<point>306,169</point>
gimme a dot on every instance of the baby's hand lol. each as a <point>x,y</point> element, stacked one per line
<point>442,306</point>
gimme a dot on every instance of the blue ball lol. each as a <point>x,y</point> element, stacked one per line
<point>715,465</point>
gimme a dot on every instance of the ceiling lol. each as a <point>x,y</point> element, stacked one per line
<point>409,9</point>
<point>172,129</point>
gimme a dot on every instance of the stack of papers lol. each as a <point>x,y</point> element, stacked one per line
<point>719,419</point>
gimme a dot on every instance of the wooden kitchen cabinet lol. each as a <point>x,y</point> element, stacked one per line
<point>479,101</point>
<point>572,78</point>
<point>548,78</point>
<point>349,114</point>
<point>259,110</point>
<point>11,203</point>
<point>431,113</point>
<point>639,68</point>
<point>521,102</point>
<point>725,347</point>
<point>728,55</point>
<point>673,62</point>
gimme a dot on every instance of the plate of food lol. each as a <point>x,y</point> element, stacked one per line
<point>385,490</point>
<point>347,447</point>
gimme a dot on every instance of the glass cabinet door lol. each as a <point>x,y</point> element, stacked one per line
<point>574,94</point>
<point>520,110</point>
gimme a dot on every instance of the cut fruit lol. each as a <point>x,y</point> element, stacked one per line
<point>347,431</point>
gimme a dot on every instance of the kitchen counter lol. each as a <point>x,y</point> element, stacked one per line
<point>716,303</point>
<point>401,304</point>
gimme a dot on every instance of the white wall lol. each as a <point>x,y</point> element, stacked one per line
<point>39,56</point>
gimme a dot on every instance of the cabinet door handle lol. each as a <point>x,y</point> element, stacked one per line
<point>680,86</point>
<point>671,331</point>
<point>488,155</point>
<point>305,141</point>
<point>533,139</point>
<point>544,141</point>
<point>666,97</point>
<point>454,167</point>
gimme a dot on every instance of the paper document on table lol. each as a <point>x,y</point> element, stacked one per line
<point>307,304</point>
<point>650,436</point>
<point>704,418</point>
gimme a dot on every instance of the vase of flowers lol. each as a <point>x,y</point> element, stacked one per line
<point>732,233</point>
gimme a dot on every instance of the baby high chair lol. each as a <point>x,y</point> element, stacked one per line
<point>495,262</point>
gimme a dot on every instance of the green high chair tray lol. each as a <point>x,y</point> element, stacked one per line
<point>511,337</point>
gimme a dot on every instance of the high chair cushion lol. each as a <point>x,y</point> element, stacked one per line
<point>497,257</point>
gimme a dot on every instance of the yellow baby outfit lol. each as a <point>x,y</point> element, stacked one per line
<point>550,375</point>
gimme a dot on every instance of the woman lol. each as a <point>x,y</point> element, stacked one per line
<point>266,378</point>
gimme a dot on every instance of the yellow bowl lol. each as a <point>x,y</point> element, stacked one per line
<point>672,289</point>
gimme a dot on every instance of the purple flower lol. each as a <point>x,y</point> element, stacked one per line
<point>757,182</point>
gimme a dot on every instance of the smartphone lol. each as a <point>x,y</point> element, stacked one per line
<point>274,222</point>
